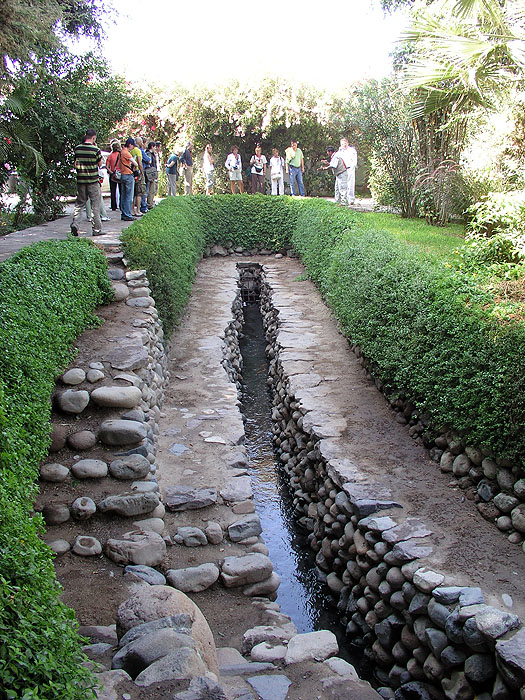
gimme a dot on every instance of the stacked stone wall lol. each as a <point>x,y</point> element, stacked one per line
<point>427,636</point>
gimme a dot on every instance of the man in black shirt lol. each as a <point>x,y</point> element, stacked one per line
<point>186,161</point>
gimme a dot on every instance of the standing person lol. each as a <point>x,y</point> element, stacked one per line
<point>234,166</point>
<point>349,155</point>
<point>208,167</point>
<point>336,162</point>
<point>186,161</point>
<point>140,182</point>
<point>258,171</point>
<point>112,165</point>
<point>151,174</point>
<point>103,213</point>
<point>171,174</point>
<point>146,161</point>
<point>277,172</point>
<point>87,160</point>
<point>127,181</point>
<point>295,167</point>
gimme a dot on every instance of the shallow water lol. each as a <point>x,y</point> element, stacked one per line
<point>301,595</point>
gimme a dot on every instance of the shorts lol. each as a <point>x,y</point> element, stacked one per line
<point>209,179</point>
<point>235,175</point>
<point>140,186</point>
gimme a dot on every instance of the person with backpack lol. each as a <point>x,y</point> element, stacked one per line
<point>338,167</point>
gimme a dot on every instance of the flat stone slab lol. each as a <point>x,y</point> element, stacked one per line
<point>128,357</point>
<point>270,687</point>
<point>130,504</point>
<point>409,529</point>
<point>179,498</point>
<point>237,489</point>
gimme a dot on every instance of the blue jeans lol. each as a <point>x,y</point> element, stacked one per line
<point>296,174</point>
<point>127,183</point>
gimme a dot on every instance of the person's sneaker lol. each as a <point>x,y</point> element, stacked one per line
<point>74,230</point>
<point>105,218</point>
<point>127,218</point>
<point>98,233</point>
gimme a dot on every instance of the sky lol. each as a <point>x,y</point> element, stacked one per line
<point>331,43</point>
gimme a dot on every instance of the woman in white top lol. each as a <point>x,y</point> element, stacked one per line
<point>258,163</point>
<point>234,166</point>
<point>277,172</point>
<point>208,166</point>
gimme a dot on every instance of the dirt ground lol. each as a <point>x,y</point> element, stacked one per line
<point>473,551</point>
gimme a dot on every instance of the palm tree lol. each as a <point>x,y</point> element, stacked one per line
<point>464,51</point>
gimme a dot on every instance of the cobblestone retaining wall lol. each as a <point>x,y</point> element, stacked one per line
<point>428,637</point>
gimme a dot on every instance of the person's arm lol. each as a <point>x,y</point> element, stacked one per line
<point>264,166</point>
<point>302,164</point>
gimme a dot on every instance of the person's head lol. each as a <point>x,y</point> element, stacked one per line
<point>208,148</point>
<point>151,145</point>
<point>258,150</point>
<point>90,136</point>
<point>344,142</point>
<point>275,152</point>
<point>189,145</point>
<point>293,145</point>
<point>235,149</point>
<point>158,146</point>
<point>115,145</point>
<point>330,150</point>
<point>139,141</point>
<point>130,143</point>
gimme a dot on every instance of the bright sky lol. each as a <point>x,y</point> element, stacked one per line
<point>329,44</point>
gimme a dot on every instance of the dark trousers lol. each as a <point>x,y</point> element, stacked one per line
<point>113,187</point>
<point>257,183</point>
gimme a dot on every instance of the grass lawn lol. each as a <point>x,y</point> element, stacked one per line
<point>438,241</point>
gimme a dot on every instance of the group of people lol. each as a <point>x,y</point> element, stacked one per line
<point>134,174</point>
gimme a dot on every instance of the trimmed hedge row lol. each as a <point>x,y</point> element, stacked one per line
<point>427,327</point>
<point>47,296</point>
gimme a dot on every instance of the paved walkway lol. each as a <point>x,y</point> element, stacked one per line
<point>59,229</point>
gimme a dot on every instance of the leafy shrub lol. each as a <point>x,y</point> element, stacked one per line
<point>428,330</point>
<point>47,296</point>
<point>499,213</point>
<point>496,256</point>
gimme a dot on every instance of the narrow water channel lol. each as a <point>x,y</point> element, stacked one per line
<point>301,595</point>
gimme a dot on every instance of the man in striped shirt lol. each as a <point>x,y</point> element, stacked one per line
<point>87,159</point>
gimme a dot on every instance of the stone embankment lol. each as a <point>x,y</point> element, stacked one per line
<point>408,583</point>
<point>147,501</point>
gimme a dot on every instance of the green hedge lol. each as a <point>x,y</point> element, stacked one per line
<point>428,327</point>
<point>47,296</point>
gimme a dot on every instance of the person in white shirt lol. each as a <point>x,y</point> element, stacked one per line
<point>349,155</point>
<point>234,166</point>
<point>258,163</point>
<point>277,172</point>
<point>208,166</point>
